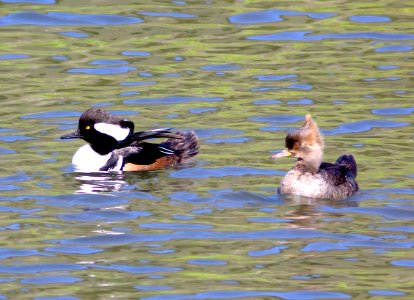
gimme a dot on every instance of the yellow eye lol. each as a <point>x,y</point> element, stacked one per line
<point>88,127</point>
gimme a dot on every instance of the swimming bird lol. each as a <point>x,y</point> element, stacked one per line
<point>113,145</point>
<point>310,176</point>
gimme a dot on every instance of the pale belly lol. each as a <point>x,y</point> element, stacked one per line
<point>311,185</point>
<point>87,160</point>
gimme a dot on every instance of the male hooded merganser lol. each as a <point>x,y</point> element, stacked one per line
<point>113,145</point>
<point>311,177</point>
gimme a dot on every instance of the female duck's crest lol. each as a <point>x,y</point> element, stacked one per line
<point>306,143</point>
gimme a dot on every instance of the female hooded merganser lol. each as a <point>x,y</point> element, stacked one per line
<point>113,145</point>
<point>311,177</point>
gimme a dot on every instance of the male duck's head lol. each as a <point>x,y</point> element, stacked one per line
<point>101,130</point>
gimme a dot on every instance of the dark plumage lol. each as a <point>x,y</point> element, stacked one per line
<point>113,145</point>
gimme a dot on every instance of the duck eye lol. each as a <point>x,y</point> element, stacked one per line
<point>88,127</point>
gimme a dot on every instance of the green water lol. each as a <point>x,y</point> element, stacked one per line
<point>215,228</point>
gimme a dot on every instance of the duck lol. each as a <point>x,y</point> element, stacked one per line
<point>311,177</point>
<point>112,145</point>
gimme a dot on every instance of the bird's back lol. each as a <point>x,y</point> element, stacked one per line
<point>332,181</point>
<point>171,152</point>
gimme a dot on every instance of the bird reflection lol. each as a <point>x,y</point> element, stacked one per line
<point>99,182</point>
<point>307,213</point>
<point>114,181</point>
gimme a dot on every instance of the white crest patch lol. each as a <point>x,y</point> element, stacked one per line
<point>116,131</point>
<point>87,160</point>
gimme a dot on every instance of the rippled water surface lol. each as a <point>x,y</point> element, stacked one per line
<point>240,73</point>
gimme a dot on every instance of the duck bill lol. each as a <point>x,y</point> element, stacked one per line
<point>73,135</point>
<point>284,153</point>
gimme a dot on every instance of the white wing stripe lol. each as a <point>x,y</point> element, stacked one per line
<point>166,150</point>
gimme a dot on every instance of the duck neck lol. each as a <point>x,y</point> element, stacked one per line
<point>102,149</point>
<point>312,162</point>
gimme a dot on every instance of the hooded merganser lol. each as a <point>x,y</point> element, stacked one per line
<point>113,145</point>
<point>311,177</point>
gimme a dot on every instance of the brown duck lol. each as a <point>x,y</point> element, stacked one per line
<point>310,176</point>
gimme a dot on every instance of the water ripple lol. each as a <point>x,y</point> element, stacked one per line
<point>9,56</point>
<point>222,172</point>
<point>51,279</point>
<point>73,250</point>
<point>74,34</point>
<point>138,269</point>
<point>267,102</point>
<point>15,178</point>
<point>393,111</point>
<point>327,246</point>
<point>6,253</point>
<point>39,268</point>
<point>30,1</point>
<point>301,102</point>
<point>207,262</point>
<point>10,187</point>
<point>136,83</point>
<point>136,53</point>
<point>408,263</point>
<point>386,212</point>
<point>273,15</point>
<point>103,70</point>
<point>266,252</point>
<point>220,67</point>
<point>202,110</point>
<point>213,132</point>
<point>275,77</point>
<point>228,140</point>
<point>267,220</point>
<point>277,119</point>
<point>176,226</point>
<point>406,229</point>
<point>65,19</point>
<point>365,125</point>
<point>106,215</point>
<point>168,14</point>
<point>90,201</point>
<point>303,295</point>
<point>108,62</point>
<point>122,239</point>
<point>387,67</point>
<point>171,100</point>
<point>153,287</point>
<point>304,36</point>
<point>394,48</point>
<point>369,19</point>
<point>14,138</point>
<point>386,293</point>
<point>52,114</point>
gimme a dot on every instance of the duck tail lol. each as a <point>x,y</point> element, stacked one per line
<point>185,145</point>
<point>348,161</point>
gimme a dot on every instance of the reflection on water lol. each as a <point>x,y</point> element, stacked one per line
<point>64,19</point>
<point>240,74</point>
<point>100,182</point>
<point>308,36</point>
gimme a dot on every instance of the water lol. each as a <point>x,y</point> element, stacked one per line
<point>240,74</point>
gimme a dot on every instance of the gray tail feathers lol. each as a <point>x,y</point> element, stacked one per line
<point>349,163</point>
<point>185,147</point>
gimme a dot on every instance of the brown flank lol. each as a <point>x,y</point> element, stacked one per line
<point>161,163</point>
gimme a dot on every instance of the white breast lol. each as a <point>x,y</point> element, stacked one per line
<point>87,160</point>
